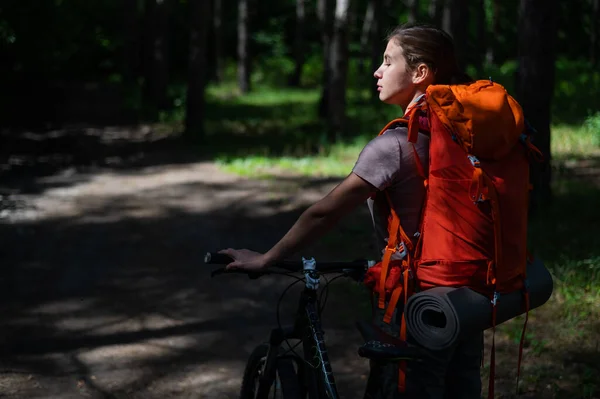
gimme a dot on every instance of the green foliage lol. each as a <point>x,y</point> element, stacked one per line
<point>577,91</point>
<point>592,125</point>
<point>312,72</point>
<point>274,66</point>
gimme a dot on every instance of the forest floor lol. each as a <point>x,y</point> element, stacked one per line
<point>104,290</point>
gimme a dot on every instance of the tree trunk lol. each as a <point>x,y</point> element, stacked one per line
<point>481,36</point>
<point>413,11</point>
<point>131,49</point>
<point>595,33</point>
<point>158,74</point>
<point>339,69</point>
<point>325,15</point>
<point>218,32</point>
<point>436,12</point>
<point>366,36</point>
<point>243,70</point>
<point>456,23</point>
<point>535,83</point>
<point>199,22</point>
<point>299,52</point>
<point>371,43</point>
<point>377,43</point>
<point>490,55</point>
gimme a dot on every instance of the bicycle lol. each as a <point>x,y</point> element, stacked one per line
<point>271,367</point>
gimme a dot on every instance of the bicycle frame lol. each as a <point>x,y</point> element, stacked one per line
<point>318,378</point>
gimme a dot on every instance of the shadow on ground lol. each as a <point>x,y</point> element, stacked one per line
<point>103,289</point>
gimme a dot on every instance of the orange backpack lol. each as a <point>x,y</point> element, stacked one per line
<point>473,229</point>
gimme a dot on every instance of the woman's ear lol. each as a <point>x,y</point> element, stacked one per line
<point>422,74</point>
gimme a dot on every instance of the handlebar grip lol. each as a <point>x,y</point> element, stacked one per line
<point>216,258</point>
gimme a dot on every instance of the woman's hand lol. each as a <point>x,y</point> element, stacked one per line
<point>245,259</point>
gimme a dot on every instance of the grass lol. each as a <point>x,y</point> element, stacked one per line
<point>577,142</point>
<point>337,161</point>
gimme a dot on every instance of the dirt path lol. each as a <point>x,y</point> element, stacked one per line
<point>104,294</point>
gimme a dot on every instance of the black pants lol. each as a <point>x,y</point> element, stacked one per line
<point>452,373</point>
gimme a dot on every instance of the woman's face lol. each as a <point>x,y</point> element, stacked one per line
<point>395,82</point>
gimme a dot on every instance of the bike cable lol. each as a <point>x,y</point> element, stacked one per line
<point>325,292</point>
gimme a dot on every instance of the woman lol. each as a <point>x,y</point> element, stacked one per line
<point>416,56</point>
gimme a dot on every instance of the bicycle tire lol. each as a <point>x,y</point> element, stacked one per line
<point>285,371</point>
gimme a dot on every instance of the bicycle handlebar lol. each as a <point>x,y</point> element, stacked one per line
<point>215,258</point>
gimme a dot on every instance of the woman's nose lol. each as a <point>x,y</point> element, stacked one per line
<point>377,74</point>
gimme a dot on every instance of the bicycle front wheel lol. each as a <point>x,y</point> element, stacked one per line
<point>283,384</point>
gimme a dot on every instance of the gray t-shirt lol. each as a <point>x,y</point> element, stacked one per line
<point>388,163</point>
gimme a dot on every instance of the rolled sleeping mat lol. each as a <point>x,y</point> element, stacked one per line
<point>438,317</point>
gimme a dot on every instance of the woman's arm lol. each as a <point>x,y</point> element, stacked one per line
<point>312,224</point>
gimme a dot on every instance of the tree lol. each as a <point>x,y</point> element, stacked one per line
<point>413,10</point>
<point>436,12</point>
<point>456,23</point>
<point>339,68</point>
<point>325,16</point>
<point>158,74</point>
<point>595,33</point>
<point>366,33</point>
<point>377,41</point>
<point>372,40</point>
<point>490,55</point>
<point>535,82</point>
<point>243,69</point>
<point>199,21</point>
<point>218,32</point>
<point>299,48</point>
<point>481,35</point>
<point>131,36</point>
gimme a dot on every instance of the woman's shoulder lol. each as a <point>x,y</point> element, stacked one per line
<point>399,134</point>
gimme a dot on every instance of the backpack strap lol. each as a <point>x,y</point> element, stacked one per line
<point>481,189</point>
<point>493,355</point>
<point>394,123</point>
<point>397,241</point>
<point>525,139</point>
<point>522,343</point>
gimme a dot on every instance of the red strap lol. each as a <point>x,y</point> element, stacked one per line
<point>533,151</point>
<point>496,217</point>
<point>493,356</point>
<point>394,230</point>
<point>399,230</point>
<point>530,258</point>
<point>526,297</point>
<point>385,263</point>
<point>476,187</point>
<point>402,365</point>
<point>413,126</point>
<point>420,169</point>
<point>392,123</point>
<point>389,312</point>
